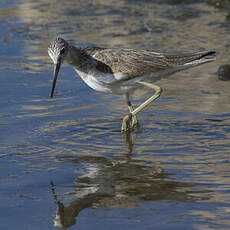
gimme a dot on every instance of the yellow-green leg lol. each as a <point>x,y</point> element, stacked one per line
<point>134,117</point>
<point>133,112</point>
<point>131,109</point>
<point>126,125</point>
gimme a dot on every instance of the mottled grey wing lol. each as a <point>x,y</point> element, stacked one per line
<point>133,63</point>
<point>130,62</point>
<point>185,58</point>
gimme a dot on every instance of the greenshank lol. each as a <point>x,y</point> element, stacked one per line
<point>122,71</point>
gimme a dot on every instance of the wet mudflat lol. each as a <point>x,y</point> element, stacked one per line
<point>64,162</point>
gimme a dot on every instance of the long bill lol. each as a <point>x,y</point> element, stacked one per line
<point>55,75</point>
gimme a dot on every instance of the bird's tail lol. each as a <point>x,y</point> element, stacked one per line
<point>188,60</point>
<point>200,58</point>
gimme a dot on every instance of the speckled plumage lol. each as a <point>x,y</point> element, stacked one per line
<point>121,71</point>
<point>102,63</point>
<point>136,63</point>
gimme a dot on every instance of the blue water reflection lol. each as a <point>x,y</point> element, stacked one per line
<point>64,162</point>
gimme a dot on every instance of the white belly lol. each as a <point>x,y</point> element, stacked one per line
<point>106,83</point>
<point>93,82</point>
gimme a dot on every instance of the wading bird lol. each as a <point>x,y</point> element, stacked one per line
<point>122,71</point>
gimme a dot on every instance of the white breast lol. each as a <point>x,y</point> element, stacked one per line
<point>95,82</point>
<point>106,82</point>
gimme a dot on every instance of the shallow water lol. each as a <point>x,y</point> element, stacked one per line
<point>64,162</point>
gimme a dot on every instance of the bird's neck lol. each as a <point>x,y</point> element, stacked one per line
<point>77,58</point>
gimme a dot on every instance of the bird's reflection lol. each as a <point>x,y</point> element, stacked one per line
<point>66,215</point>
<point>117,182</point>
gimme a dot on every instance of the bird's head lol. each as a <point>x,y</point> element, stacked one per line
<point>57,50</point>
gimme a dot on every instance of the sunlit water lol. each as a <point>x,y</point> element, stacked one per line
<point>64,162</point>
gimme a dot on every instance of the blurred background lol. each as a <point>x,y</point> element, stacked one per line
<point>65,164</point>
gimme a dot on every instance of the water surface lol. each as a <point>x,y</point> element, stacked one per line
<point>64,162</point>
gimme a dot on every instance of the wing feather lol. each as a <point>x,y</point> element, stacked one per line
<point>133,63</point>
<point>129,62</point>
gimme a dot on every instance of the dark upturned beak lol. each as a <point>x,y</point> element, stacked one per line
<point>56,70</point>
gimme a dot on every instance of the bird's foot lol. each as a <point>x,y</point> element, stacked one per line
<point>126,123</point>
<point>134,121</point>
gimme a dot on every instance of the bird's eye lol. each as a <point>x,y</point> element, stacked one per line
<point>62,51</point>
